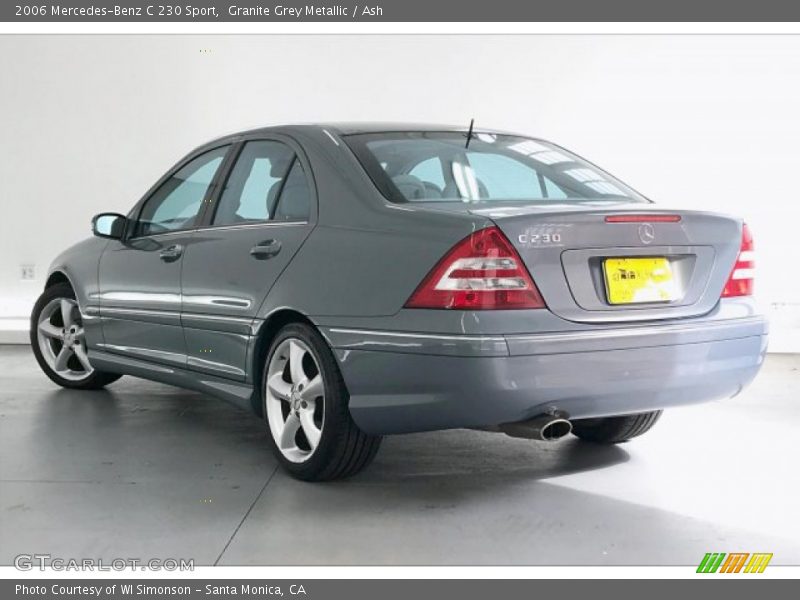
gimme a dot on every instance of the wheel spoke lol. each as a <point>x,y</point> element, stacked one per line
<point>296,353</point>
<point>302,395</point>
<point>62,358</point>
<point>82,357</point>
<point>310,428</point>
<point>279,388</point>
<point>50,330</point>
<point>312,389</point>
<point>66,312</point>
<point>290,428</point>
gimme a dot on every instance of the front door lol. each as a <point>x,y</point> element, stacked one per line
<point>140,275</point>
<point>263,214</point>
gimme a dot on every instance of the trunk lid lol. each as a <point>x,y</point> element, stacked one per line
<point>565,246</point>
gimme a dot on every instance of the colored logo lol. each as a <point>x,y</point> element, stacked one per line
<point>735,562</point>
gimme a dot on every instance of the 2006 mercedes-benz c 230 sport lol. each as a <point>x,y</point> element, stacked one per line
<point>350,281</point>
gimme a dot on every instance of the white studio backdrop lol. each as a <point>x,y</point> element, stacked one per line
<point>89,122</point>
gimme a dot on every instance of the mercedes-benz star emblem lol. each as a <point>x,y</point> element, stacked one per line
<point>647,233</point>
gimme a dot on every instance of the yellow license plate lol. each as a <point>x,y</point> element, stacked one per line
<point>635,280</point>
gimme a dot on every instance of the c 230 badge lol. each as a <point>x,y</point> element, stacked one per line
<point>544,235</point>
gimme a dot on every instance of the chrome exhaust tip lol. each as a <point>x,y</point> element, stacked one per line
<point>547,427</point>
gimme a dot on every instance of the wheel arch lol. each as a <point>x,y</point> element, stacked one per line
<point>274,322</point>
<point>56,277</point>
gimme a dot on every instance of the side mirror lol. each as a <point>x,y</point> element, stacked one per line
<point>109,225</point>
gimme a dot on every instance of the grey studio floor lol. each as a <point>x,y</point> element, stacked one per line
<point>150,471</point>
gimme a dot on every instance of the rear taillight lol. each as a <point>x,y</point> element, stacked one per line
<point>482,272</point>
<point>740,282</point>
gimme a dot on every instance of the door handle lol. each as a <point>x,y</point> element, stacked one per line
<point>171,254</point>
<point>265,249</point>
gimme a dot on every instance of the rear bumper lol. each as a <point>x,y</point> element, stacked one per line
<point>404,382</point>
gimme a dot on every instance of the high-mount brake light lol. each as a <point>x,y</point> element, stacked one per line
<point>740,282</point>
<point>643,218</point>
<point>481,272</point>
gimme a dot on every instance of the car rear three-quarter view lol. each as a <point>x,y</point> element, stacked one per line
<point>347,282</point>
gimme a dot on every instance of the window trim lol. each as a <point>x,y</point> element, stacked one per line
<point>207,221</point>
<point>136,213</point>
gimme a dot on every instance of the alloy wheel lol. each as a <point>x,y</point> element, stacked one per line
<point>294,398</point>
<point>62,340</point>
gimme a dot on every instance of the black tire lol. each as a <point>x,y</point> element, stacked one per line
<point>95,381</point>
<point>343,449</point>
<point>614,430</point>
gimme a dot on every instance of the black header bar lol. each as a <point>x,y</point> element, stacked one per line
<point>401,11</point>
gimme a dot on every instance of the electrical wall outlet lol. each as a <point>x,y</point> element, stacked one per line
<point>27,272</point>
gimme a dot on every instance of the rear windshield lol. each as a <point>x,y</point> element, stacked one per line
<point>442,167</point>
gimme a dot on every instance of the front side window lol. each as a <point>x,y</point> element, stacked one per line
<point>175,205</point>
<point>440,166</point>
<point>255,183</point>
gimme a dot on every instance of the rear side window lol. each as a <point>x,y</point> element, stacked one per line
<point>255,183</point>
<point>294,203</point>
<point>175,205</point>
<point>440,166</point>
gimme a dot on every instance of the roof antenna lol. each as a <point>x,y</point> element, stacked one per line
<point>469,134</point>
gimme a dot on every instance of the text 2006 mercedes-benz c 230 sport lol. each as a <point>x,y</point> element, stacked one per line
<point>351,281</point>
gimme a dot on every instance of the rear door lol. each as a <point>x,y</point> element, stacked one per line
<point>140,293</point>
<point>265,211</point>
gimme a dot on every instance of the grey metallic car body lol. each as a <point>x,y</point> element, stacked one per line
<point>204,322</point>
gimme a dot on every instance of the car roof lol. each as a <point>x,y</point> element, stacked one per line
<point>354,127</point>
